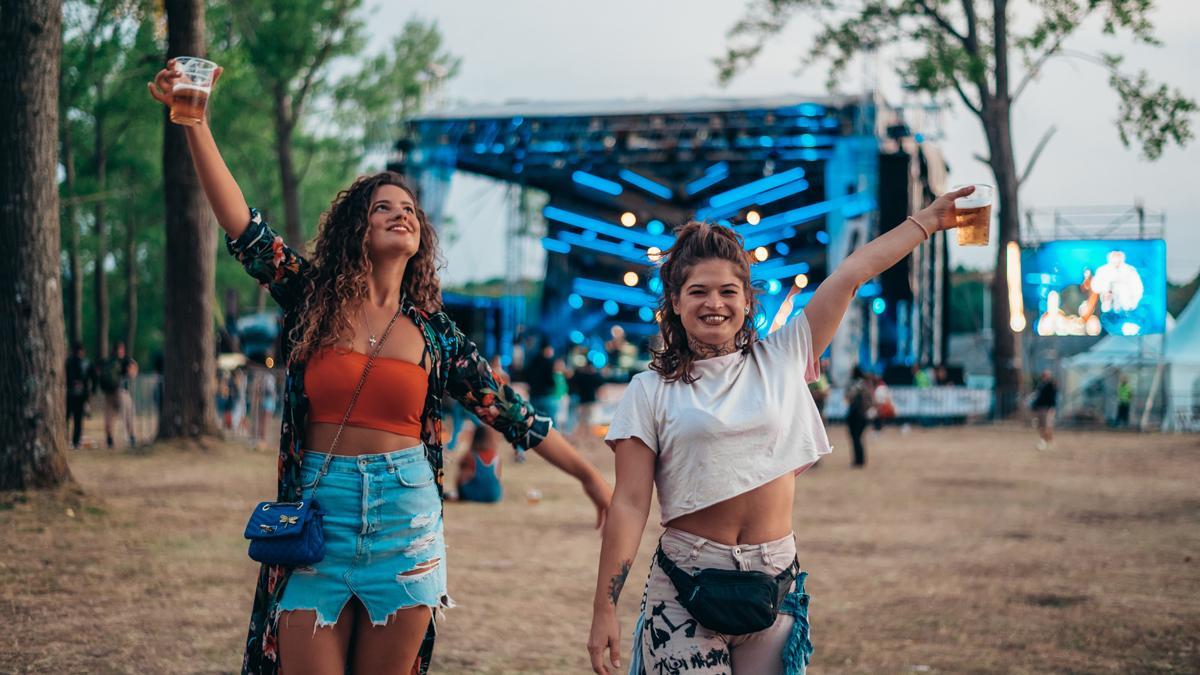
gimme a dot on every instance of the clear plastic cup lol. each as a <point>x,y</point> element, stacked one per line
<point>973,215</point>
<point>189,96</point>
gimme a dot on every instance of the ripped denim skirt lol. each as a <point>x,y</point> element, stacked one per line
<point>384,542</point>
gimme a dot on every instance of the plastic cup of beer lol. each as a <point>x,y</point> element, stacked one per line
<point>973,215</point>
<point>189,97</point>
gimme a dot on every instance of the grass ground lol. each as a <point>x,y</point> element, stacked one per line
<point>958,550</point>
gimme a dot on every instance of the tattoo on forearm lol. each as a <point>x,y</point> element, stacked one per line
<point>703,350</point>
<point>618,581</point>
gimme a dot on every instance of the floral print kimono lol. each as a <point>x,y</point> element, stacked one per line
<point>456,368</point>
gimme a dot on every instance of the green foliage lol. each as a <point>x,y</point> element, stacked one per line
<point>948,48</point>
<point>391,86</point>
<point>111,48</point>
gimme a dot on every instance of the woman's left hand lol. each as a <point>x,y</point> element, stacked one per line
<point>599,491</point>
<point>940,215</point>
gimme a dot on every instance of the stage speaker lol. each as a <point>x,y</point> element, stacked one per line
<point>893,209</point>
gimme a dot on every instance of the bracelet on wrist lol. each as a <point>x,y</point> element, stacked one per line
<point>924,231</point>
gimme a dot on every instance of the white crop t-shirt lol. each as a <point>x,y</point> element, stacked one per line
<point>746,421</point>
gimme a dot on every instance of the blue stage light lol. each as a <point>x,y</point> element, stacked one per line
<point>481,148</point>
<point>597,183</point>
<point>575,300</point>
<point>773,286</point>
<point>919,137</point>
<point>576,337</point>
<point>657,189</point>
<point>598,358</point>
<point>868,290</point>
<point>611,308</point>
<point>655,226</point>
<point>754,187</point>
<point>555,246</point>
<point>782,248</point>
<point>879,305</point>
<point>646,314</point>
<point>822,237</point>
<point>712,175</point>
<point>655,285</point>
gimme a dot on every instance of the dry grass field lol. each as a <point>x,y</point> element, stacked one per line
<point>958,550</point>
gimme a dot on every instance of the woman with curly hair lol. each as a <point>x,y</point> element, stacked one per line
<point>720,426</point>
<point>368,297</point>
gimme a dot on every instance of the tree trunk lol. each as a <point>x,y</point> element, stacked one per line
<point>70,219</point>
<point>288,180</point>
<point>130,283</point>
<point>1006,354</point>
<point>32,357</point>
<point>100,164</point>
<point>1006,342</point>
<point>189,364</point>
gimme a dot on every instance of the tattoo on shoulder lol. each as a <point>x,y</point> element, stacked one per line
<point>618,581</point>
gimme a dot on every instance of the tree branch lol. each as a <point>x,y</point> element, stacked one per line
<point>318,60</point>
<point>941,21</point>
<point>1037,152</point>
<point>1036,68</point>
<point>981,158</point>
<point>966,99</point>
<point>1000,46</point>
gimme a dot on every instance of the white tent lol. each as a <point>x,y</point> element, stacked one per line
<point>1164,367</point>
<point>1183,370</point>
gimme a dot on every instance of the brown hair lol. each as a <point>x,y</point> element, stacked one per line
<point>338,277</point>
<point>696,242</point>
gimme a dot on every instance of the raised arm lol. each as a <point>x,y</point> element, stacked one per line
<point>622,535</point>
<point>220,188</point>
<point>832,297</point>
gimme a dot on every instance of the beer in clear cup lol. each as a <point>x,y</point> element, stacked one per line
<point>189,96</point>
<point>973,215</point>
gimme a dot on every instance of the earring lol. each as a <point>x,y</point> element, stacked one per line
<point>747,312</point>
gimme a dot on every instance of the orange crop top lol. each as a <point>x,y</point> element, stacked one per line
<point>391,399</point>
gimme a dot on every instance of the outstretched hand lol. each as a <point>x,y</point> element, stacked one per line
<point>164,83</point>
<point>599,491</point>
<point>940,215</point>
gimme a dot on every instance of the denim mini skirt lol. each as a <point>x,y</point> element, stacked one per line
<point>384,541</point>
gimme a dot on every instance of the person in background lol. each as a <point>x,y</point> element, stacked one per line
<point>268,397</point>
<point>115,379</point>
<point>1124,401</point>
<point>237,410</point>
<point>586,383</point>
<point>885,408</point>
<point>81,382</point>
<point>479,469</point>
<point>860,402</point>
<point>543,387</point>
<point>820,390</point>
<point>1045,403</point>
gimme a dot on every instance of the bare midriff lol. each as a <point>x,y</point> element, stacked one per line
<point>761,515</point>
<point>355,441</point>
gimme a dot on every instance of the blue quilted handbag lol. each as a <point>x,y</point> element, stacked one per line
<point>287,533</point>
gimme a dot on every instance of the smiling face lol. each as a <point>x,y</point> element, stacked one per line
<point>393,230</point>
<point>712,303</point>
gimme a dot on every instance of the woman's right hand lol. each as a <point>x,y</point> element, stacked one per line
<point>605,635</point>
<point>164,83</point>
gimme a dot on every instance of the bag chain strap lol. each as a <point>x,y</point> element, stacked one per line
<point>354,397</point>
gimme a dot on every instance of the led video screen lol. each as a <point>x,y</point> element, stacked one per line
<point>1096,287</point>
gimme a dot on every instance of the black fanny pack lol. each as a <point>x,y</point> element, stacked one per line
<point>730,601</point>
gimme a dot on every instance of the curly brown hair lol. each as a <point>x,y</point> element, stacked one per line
<point>337,279</point>
<point>696,242</point>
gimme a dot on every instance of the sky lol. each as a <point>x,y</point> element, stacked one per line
<point>571,50</point>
